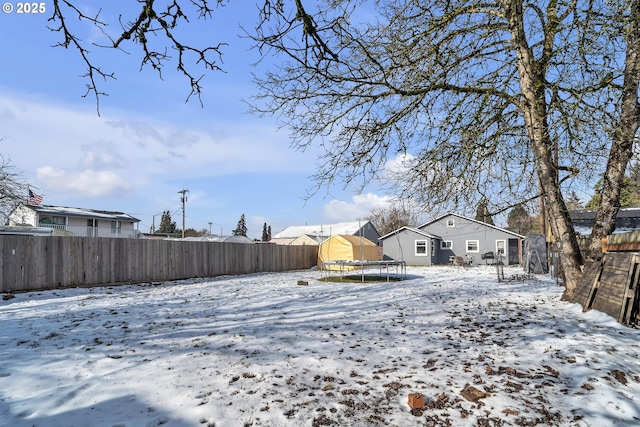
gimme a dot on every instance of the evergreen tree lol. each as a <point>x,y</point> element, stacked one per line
<point>266,233</point>
<point>573,202</point>
<point>519,220</point>
<point>629,194</point>
<point>166,225</point>
<point>482,212</point>
<point>634,183</point>
<point>241,228</point>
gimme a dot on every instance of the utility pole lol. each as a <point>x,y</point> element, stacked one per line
<point>184,200</point>
<point>153,223</point>
<point>210,228</point>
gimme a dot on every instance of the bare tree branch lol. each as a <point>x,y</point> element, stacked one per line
<point>13,189</point>
<point>152,30</point>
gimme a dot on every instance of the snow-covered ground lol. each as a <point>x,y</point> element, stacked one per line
<point>260,350</point>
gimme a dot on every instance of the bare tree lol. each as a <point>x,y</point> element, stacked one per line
<point>13,189</point>
<point>507,99</point>
<point>399,213</point>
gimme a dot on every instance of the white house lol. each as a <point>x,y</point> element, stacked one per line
<point>76,221</point>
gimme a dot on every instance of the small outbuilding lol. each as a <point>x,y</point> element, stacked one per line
<point>342,247</point>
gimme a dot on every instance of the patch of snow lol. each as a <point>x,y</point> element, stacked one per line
<point>259,350</point>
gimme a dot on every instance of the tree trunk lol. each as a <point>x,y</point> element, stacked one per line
<point>623,137</point>
<point>534,108</point>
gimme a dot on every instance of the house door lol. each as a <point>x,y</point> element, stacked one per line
<point>514,253</point>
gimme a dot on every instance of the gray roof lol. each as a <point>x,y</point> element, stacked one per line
<point>472,220</point>
<point>215,238</point>
<point>25,230</point>
<point>414,230</point>
<point>81,213</point>
<point>590,214</point>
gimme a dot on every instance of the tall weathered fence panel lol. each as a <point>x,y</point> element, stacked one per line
<point>37,262</point>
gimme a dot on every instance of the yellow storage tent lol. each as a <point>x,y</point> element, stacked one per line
<point>342,247</point>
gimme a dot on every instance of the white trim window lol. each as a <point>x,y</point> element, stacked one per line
<point>421,248</point>
<point>451,222</point>
<point>501,247</point>
<point>116,227</point>
<point>473,246</point>
<point>446,244</point>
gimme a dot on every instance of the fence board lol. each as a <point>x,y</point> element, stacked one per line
<point>37,262</point>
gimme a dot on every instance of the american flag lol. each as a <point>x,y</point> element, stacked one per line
<point>34,199</point>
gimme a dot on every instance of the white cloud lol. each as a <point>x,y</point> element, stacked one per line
<point>102,156</point>
<point>398,166</point>
<point>84,182</point>
<point>125,151</point>
<point>360,206</point>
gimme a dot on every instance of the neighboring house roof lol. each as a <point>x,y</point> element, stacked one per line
<point>472,220</point>
<point>81,213</point>
<point>414,230</point>
<point>590,214</point>
<point>230,239</point>
<point>323,230</point>
<point>627,219</point>
<point>25,230</point>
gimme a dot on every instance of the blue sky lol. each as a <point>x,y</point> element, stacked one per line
<point>148,144</point>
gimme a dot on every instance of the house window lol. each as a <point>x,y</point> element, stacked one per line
<point>55,220</point>
<point>421,248</point>
<point>115,227</point>
<point>473,246</point>
<point>451,223</point>
<point>500,247</point>
<point>446,244</point>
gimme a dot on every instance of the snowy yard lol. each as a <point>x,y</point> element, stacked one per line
<point>259,350</point>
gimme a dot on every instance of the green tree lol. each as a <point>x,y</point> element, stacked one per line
<point>166,225</point>
<point>192,232</point>
<point>241,228</point>
<point>482,212</point>
<point>266,233</point>
<point>519,221</point>
<point>629,193</point>
<point>573,202</point>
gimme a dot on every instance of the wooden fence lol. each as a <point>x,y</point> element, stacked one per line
<point>30,263</point>
<point>612,284</point>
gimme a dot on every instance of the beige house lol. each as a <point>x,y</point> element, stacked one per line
<point>76,221</point>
